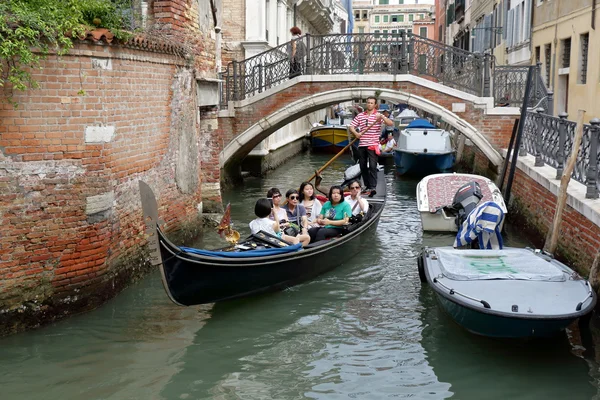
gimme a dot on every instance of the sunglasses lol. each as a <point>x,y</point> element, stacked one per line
<point>294,197</point>
<point>276,196</point>
<point>354,187</point>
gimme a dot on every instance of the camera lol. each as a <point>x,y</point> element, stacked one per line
<point>271,201</point>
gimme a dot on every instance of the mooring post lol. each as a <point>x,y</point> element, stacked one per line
<point>539,160</point>
<point>591,175</point>
<point>562,139</point>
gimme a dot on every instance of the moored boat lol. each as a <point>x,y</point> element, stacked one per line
<point>260,263</point>
<point>404,118</point>
<point>436,195</point>
<point>423,149</point>
<point>331,137</point>
<point>506,293</point>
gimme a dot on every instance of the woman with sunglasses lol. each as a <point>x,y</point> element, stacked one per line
<point>279,214</point>
<point>334,214</point>
<point>296,213</point>
<point>356,201</point>
<point>310,203</point>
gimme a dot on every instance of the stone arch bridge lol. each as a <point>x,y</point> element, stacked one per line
<point>464,89</point>
<point>246,123</point>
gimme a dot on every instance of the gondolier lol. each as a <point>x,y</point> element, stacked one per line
<point>369,125</point>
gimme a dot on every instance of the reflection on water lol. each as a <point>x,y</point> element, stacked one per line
<point>367,330</point>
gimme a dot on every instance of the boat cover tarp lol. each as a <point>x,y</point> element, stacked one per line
<point>420,124</point>
<point>510,264</point>
<point>243,254</point>
<point>406,113</point>
<point>483,223</point>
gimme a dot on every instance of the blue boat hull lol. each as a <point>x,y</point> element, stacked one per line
<point>485,324</point>
<point>423,163</point>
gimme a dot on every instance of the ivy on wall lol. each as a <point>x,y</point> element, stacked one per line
<point>31,29</point>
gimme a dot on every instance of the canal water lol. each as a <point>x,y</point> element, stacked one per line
<point>367,330</point>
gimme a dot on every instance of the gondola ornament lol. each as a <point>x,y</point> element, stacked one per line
<point>225,230</point>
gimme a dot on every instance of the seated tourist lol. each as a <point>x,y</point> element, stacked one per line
<point>357,203</point>
<point>310,203</point>
<point>334,214</point>
<point>263,210</point>
<point>296,214</point>
<point>275,196</point>
<point>387,145</point>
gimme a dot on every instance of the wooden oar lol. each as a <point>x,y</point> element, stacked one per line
<point>337,155</point>
<point>332,160</point>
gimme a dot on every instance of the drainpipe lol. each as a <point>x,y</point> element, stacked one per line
<point>594,15</point>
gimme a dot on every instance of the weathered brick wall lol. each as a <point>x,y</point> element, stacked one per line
<point>234,32</point>
<point>189,23</point>
<point>71,155</point>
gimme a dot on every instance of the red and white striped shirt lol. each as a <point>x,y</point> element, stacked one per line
<point>361,122</point>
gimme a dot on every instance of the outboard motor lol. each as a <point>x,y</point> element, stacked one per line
<point>465,200</point>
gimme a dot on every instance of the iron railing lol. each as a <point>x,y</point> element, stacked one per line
<point>550,140</point>
<point>509,87</point>
<point>376,53</point>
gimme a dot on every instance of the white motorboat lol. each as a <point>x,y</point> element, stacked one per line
<point>436,199</point>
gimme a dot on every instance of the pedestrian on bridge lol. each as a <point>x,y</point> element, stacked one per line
<point>366,126</point>
<point>297,52</point>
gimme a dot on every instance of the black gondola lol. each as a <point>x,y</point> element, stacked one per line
<point>256,265</point>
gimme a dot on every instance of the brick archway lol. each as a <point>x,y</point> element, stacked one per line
<point>245,123</point>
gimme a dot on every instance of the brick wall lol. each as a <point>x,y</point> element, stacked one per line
<point>70,158</point>
<point>234,30</point>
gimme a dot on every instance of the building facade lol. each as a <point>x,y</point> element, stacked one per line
<point>562,41</point>
<point>255,26</point>
<point>392,16</point>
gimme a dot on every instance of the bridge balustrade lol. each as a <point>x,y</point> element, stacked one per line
<point>379,53</point>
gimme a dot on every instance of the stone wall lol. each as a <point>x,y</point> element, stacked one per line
<point>71,155</point>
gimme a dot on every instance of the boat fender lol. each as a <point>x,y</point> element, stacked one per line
<point>485,304</point>
<point>579,306</point>
<point>421,268</point>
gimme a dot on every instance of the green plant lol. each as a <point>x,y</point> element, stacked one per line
<point>31,29</point>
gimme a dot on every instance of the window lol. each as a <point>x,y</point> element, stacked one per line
<point>423,31</point>
<point>365,15</point>
<point>394,33</point>
<point>377,19</point>
<point>537,54</point>
<point>410,17</point>
<point>401,18</point>
<point>385,33</point>
<point>584,41</point>
<point>377,32</point>
<point>386,18</point>
<point>384,1</point>
<point>394,18</point>
<point>566,52</point>
<point>361,29</point>
<point>356,14</point>
<point>401,2</point>
<point>421,16</point>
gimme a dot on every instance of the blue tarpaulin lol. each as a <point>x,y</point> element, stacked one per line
<point>243,254</point>
<point>420,123</point>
